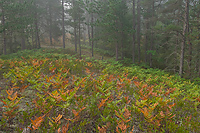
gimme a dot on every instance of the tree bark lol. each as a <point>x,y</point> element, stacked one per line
<point>4,32</point>
<point>89,38</point>
<point>122,44</point>
<point>75,26</point>
<point>84,36</point>
<point>116,51</point>
<point>133,45</point>
<point>152,36</point>
<point>146,42</point>
<point>50,24</point>
<point>185,27</point>
<point>32,38</point>
<point>92,32</point>
<point>23,41</point>
<point>122,35</point>
<point>190,51</point>
<point>198,48</point>
<point>75,36</point>
<point>175,57</point>
<point>37,37</point>
<point>63,23</point>
<point>79,34</point>
<point>138,28</point>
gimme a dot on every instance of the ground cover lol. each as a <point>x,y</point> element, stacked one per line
<point>49,91</point>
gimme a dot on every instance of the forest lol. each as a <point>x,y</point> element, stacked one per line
<point>160,34</point>
<point>100,66</point>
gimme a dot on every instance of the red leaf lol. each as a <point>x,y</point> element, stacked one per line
<point>102,102</point>
<point>37,122</point>
<point>170,106</point>
<point>3,102</point>
<point>162,114</point>
<point>65,128</point>
<point>22,57</point>
<point>74,112</point>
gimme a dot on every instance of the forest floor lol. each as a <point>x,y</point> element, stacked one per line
<point>44,71</point>
<point>70,49</point>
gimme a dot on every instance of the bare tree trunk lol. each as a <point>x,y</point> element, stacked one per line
<point>37,37</point>
<point>4,32</point>
<point>50,24</point>
<point>146,42</point>
<point>122,35</point>
<point>63,23</point>
<point>88,27</point>
<point>34,44</point>
<point>10,41</point>
<point>152,36</point>
<point>75,26</point>
<point>175,57</point>
<point>116,51</point>
<point>185,27</point>
<point>190,53</point>
<point>79,34</point>
<point>75,36</point>
<point>197,67</point>
<point>138,28</point>
<point>122,46</point>
<point>84,37</point>
<point>133,45</point>
<point>23,41</point>
<point>92,21</point>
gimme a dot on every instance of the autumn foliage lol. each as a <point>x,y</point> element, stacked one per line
<point>71,95</point>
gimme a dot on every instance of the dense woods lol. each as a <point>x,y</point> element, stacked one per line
<point>161,34</point>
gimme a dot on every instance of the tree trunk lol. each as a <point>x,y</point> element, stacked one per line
<point>122,46</point>
<point>10,41</point>
<point>198,65</point>
<point>92,20</point>
<point>152,36</point>
<point>79,34</point>
<point>50,25</point>
<point>198,49</point>
<point>116,51</point>
<point>175,57</point>
<point>32,38</point>
<point>23,41</point>
<point>4,32</point>
<point>190,53</point>
<point>88,26</point>
<point>37,37</point>
<point>133,45</point>
<point>138,29</point>
<point>75,36</point>
<point>63,23</point>
<point>84,37</point>
<point>122,35</point>
<point>146,42</point>
<point>185,27</point>
<point>75,26</point>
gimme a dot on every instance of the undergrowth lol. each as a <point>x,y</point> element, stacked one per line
<point>50,91</point>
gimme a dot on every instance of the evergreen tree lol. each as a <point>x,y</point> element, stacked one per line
<point>113,24</point>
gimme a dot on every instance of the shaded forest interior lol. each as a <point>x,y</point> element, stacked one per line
<point>162,34</point>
